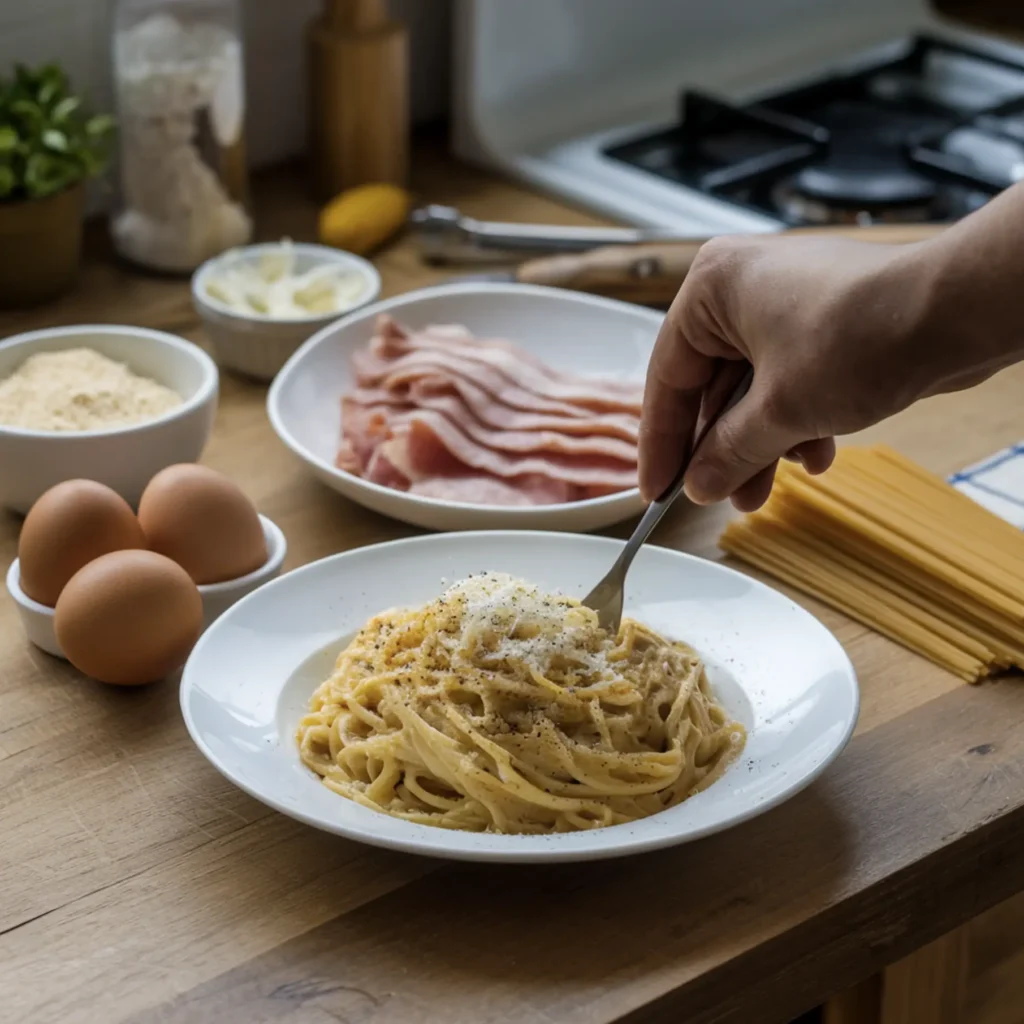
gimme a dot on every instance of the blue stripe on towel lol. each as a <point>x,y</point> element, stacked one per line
<point>997,483</point>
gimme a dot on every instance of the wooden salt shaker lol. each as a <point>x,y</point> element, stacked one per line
<point>358,96</point>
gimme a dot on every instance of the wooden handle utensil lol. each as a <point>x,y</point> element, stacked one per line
<point>651,273</point>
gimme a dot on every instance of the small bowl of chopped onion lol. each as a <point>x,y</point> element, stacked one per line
<point>259,303</point>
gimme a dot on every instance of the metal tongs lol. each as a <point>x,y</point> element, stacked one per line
<point>607,597</point>
<point>447,236</point>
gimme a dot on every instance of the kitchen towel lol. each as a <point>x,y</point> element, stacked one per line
<point>997,483</point>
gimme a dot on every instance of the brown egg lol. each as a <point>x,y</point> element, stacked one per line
<point>204,522</point>
<point>128,618</point>
<point>70,525</point>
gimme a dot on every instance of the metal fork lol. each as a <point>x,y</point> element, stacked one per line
<point>607,597</point>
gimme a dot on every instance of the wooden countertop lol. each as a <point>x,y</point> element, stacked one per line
<point>138,885</point>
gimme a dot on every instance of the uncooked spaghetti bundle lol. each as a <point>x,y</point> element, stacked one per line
<point>897,548</point>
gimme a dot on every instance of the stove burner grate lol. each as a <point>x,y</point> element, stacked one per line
<point>880,144</point>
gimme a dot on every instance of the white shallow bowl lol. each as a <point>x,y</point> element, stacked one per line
<point>124,458</point>
<point>568,330</point>
<point>258,346</point>
<point>772,664</point>
<point>37,619</point>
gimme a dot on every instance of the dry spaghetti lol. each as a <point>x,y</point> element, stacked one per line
<point>499,708</point>
<point>898,549</point>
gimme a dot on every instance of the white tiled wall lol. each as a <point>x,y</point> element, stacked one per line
<point>77,33</point>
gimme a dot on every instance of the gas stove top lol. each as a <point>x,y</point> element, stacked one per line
<point>928,135</point>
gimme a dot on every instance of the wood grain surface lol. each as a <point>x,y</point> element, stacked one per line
<point>137,885</point>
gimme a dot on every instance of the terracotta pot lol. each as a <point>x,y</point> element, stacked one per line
<point>40,247</point>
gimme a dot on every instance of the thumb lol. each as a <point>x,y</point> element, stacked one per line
<point>746,440</point>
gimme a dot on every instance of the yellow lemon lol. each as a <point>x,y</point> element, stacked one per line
<point>365,217</point>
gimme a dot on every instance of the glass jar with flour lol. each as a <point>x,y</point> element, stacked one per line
<point>180,80</point>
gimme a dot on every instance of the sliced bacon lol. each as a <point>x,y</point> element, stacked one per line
<point>347,459</point>
<point>394,339</point>
<point>391,466</point>
<point>381,470</point>
<point>425,390</point>
<point>363,429</point>
<point>440,414</point>
<point>365,426</point>
<point>373,371</point>
<point>481,489</point>
<point>509,369</point>
<point>436,446</point>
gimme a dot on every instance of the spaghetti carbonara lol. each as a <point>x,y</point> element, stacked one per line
<point>500,708</point>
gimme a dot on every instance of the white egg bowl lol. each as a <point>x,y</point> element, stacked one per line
<point>256,345</point>
<point>568,330</point>
<point>219,597</point>
<point>124,458</point>
<point>37,619</point>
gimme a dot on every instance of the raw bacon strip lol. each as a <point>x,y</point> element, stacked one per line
<point>347,459</point>
<point>423,391</point>
<point>381,470</point>
<point>443,415</point>
<point>388,464</point>
<point>390,467</point>
<point>495,413</point>
<point>363,425</point>
<point>554,440</point>
<point>372,371</point>
<point>434,446</point>
<point>594,395</point>
<point>481,489</point>
<point>515,372</point>
<point>441,337</point>
<point>364,429</point>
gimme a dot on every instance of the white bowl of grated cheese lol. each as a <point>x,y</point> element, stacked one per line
<point>259,303</point>
<point>105,403</point>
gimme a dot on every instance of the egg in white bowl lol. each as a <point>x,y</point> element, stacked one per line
<point>568,331</point>
<point>38,619</point>
<point>259,303</point>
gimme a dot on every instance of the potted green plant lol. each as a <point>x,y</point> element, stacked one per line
<point>49,147</point>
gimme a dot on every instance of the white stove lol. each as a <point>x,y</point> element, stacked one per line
<point>741,115</point>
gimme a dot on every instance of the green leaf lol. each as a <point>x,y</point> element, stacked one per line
<point>45,174</point>
<point>66,107</point>
<point>8,138</point>
<point>29,113</point>
<point>55,140</point>
<point>48,93</point>
<point>53,84</point>
<point>8,182</point>
<point>99,126</point>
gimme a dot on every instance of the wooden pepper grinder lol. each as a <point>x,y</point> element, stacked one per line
<point>358,96</point>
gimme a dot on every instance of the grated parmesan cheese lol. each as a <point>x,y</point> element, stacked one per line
<point>517,620</point>
<point>79,389</point>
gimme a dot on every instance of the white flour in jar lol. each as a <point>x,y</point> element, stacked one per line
<point>170,77</point>
<point>79,389</point>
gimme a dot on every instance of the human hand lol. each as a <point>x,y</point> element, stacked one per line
<point>833,330</point>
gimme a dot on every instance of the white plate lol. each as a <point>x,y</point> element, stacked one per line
<point>773,666</point>
<point>568,330</point>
